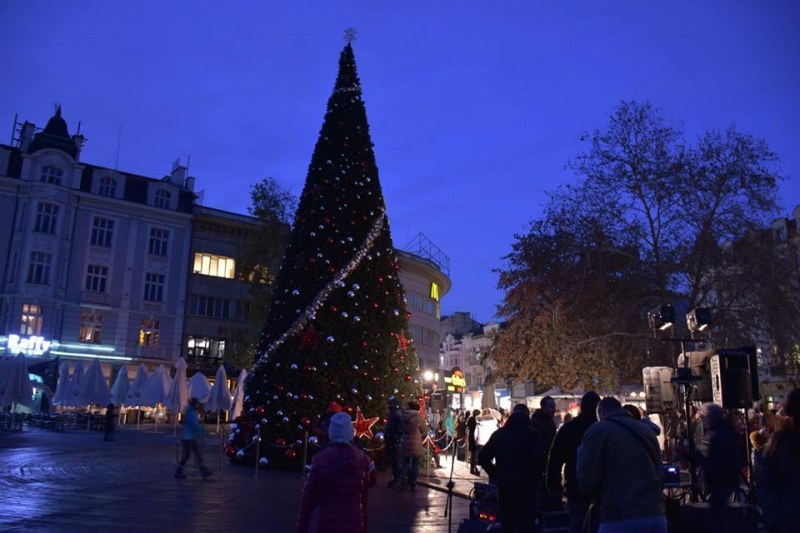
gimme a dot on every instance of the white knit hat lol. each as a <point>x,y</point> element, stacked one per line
<point>341,428</point>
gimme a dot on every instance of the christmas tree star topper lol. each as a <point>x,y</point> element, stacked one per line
<point>350,35</point>
<point>363,425</point>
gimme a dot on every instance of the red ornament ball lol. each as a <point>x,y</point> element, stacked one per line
<point>260,410</point>
<point>281,442</point>
<point>291,453</point>
<point>305,421</point>
<point>408,377</point>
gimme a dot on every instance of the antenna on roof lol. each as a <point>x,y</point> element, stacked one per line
<point>175,165</point>
<point>119,140</point>
<point>188,162</point>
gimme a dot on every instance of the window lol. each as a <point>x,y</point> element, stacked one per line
<point>154,287</point>
<point>214,265</point>
<point>162,198</point>
<point>91,326</point>
<point>212,307</point>
<point>32,318</point>
<point>108,186</point>
<point>39,268</point>
<point>96,276</point>
<point>197,347</point>
<point>148,334</point>
<point>416,301</point>
<point>158,241</point>
<point>46,215</point>
<point>102,232</point>
<point>51,175</point>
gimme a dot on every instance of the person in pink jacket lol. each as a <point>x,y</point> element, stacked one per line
<point>334,496</point>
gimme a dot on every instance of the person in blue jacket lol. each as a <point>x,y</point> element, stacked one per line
<point>192,432</point>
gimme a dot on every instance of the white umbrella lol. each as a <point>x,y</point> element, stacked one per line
<point>238,396</point>
<point>75,386</point>
<point>134,395</point>
<point>119,391</point>
<point>178,394</point>
<point>155,389</point>
<point>220,397</point>
<point>94,387</point>
<point>63,384</point>
<point>17,382</point>
<point>199,387</point>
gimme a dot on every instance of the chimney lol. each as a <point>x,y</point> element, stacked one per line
<point>178,176</point>
<point>26,136</point>
<point>189,183</point>
<point>78,139</point>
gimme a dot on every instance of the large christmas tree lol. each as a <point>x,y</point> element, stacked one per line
<point>337,325</point>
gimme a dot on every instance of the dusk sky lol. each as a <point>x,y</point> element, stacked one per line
<point>474,106</point>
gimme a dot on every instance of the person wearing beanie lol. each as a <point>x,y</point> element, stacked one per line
<point>334,496</point>
<point>564,453</point>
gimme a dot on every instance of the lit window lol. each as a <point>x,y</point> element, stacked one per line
<point>148,334</point>
<point>203,347</point>
<point>46,217</point>
<point>96,276</point>
<point>39,268</point>
<point>162,198</point>
<point>214,265</point>
<point>108,186</point>
<point>32,318</point>
<point>159,239</point>
<point>154,287</point>
<point>91,326</point>
<point>51,175</point>
<point>102,232</point>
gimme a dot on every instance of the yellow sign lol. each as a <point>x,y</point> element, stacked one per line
<point>434,291</point>
<point>454,380</point>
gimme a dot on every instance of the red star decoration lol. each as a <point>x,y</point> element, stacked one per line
<point>363,425</point>
<point>309,338</point>
<point>403,341</point>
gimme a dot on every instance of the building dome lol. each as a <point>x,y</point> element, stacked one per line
<point>55,135</point>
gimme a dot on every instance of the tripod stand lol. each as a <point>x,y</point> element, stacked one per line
<point>448,507</point>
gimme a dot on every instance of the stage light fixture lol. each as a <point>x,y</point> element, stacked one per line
<point>661,319</point>
<point>699,319</point>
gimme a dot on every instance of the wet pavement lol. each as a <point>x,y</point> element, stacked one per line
<point>74,481</point>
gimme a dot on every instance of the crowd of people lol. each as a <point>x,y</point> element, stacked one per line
<point>606,464</point>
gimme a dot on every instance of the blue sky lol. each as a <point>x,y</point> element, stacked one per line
<point>474,106</point>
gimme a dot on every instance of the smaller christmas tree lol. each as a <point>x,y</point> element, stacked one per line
<point>336,332</point>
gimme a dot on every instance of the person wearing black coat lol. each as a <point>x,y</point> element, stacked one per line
<point>472,423</point>
<point>543,421</point>
<point>513,460</point>
<point>564,453</point>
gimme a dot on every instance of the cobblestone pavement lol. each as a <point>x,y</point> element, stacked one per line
<point>74,481</point>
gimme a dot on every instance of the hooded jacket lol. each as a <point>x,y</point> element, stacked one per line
<point>413,429</point>
<point>334,496</point>
<point>621,470</point>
